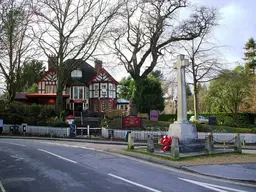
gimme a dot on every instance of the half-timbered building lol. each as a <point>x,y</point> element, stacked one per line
<point>87,87</point>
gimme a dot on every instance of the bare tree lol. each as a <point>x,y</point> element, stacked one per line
<point>147,27</point>
<point>205,62</point>
<point>71,29</point>
<point>15,41</point>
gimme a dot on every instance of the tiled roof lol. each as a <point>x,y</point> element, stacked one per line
<point>88,72</point>
<point>20,95</point>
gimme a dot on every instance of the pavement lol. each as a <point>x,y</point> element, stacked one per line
<point>239,172</point>
<point>245,172</point>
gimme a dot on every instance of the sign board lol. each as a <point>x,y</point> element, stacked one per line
<point>131,121</point>
<point>1,122</point>
<point>24,127</point>
<point>212,120</point>
<point>154,115</point>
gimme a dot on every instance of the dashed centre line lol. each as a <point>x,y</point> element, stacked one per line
<point>2,187</point>
<point>133,183</point>
<point>64,158</point>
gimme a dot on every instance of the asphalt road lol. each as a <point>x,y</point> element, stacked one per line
<point>40,166</point>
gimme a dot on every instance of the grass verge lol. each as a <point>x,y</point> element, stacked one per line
<point>225,158</point>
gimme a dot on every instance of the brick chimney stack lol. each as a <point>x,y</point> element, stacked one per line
<point>98,65</point>
<point>52,61</point>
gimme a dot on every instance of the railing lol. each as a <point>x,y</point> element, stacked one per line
<point>81,131</point>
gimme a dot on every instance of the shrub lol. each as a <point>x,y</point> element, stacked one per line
<point>226,119</point>
<point>104,122</point>
<point>56,122</point>
<point>167,117</point>
<point>224,129</point>
<point>17,113</point>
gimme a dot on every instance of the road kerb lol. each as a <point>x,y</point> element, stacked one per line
<point>184,168</point>
<point>176,166</point>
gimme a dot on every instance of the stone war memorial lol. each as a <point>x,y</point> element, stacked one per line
<point>182,128</point>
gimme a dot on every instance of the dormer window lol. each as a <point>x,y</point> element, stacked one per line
<point>77,73</point>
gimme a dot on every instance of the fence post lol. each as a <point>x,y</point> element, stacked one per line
<point>159,137</point>
<point>175,148</point>
<point>237,143</point>
<point>68,131</point>
<point>130,142</point>
<point>88,130</point>
<point>150,143</point>
<point>209,143</point>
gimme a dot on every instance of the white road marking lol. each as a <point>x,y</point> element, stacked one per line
<point>133,183</point>
<point>66,159</point>
<point>68,145</point>
<point>13,144</point>
<point>2,187</point>
<point>213,187</point>
<point>89,148</point>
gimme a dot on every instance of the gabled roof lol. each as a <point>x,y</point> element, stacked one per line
<point>88,72</point>
<point>103,71</point>
<point>45,74</point>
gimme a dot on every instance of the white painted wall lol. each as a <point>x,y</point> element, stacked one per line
<point>42,130</point>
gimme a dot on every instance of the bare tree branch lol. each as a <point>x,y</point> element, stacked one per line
<point>15,41</point>
<point>73,30</point>
<point>146,27</point>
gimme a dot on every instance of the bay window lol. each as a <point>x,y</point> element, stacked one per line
<point>78,93</point>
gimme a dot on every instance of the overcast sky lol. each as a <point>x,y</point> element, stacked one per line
<point>237,24</point>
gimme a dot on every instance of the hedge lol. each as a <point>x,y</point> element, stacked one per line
<point>18,113</point>
<point>242,119</point>
<point>224,129</point>
<point>116,123</point>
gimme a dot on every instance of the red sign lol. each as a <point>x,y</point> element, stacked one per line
<point>131,121</point>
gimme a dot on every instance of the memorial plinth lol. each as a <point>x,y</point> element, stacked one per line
<point>182,128</point>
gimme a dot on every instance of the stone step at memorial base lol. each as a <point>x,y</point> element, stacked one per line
<point>192,145</point>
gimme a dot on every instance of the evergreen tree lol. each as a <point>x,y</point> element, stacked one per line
<point>250,56</point>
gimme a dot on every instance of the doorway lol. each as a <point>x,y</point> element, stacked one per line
<point>78,108</point>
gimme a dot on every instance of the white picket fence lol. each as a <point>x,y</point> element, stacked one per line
<point>142,135</point>
<point>121,134</point>
<point>41,130</point>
